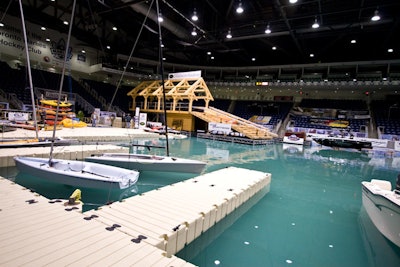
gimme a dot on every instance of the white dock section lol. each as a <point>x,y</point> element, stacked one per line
<point>36,233</point>
<point>60,152</point>
<point>174,215</point>
<point>143,230</point>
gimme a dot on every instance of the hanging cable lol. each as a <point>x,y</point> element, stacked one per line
<point>130,55</point>
<point>62,79</point>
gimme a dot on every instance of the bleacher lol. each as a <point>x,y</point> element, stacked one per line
<point>15,82</point>
<point>330,114</point>
<point>387,115</point>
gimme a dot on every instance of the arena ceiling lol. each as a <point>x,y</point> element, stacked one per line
<point>292,39</point>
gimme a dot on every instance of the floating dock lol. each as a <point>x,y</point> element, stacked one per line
<point>143,230</point>
<point>73,152</point>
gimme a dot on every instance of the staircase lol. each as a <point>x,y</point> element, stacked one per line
<point>247,128</point>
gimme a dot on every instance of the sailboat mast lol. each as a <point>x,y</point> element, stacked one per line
<point>66,54</point>
<point>28,65</point>
<point>162,78</point>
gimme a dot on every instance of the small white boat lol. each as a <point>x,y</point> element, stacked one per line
<point>78,173</point>
<point>383,207</point>
<point>172,136</point>
<point>293,139</point>
<point>143,162</point>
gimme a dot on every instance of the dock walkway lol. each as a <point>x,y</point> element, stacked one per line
<point>143,230</point>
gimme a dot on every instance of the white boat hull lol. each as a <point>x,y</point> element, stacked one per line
<point>142,162</point>
<point>293,140</point>
<point>173,136</point>
<point>78,173</point>
<point>383,207</point>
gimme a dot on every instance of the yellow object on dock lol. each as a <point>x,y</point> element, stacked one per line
<point>143,230</point>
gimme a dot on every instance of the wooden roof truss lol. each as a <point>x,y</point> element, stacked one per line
<point>186,89</point>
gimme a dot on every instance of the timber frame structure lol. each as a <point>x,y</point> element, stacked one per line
<point>180,96</point>
<point>186,90</point>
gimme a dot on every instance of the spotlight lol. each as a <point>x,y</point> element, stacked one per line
<point>239,9</point>
<point>194,16</point>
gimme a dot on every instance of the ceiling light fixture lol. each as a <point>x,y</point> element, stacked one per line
<point>316,24</point>
<point>376,16</point>
<point>229,34</point>
<point>239,8</point>
<point>65,22</point>
<point>160,18</point>
<point>194,16</point>
<point>353,41</point>
<point>83,51</point>
<point>268,30</point>
<point>194,33</point>
<point>43,28</point>
<point>114,28</point>
<point>1,24</point>
<point>293,1</point>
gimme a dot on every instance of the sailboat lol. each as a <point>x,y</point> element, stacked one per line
<point>143,162</point>
<point>70,172</point>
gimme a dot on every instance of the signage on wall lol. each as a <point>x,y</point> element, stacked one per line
<point>187,74</point>
<point>46,47</point>
<point>219,127</point>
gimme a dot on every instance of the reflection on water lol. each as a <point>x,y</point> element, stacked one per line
<point>310,217</point>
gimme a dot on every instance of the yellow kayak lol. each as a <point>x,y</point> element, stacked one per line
<point>68,123</point>
<point>53,103</point>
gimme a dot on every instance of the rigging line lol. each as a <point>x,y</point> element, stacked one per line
<point>5,11</point>
<point>28,64</point>
<point>183,16</point>
<point>130,55</point>
<point>162,78</point>
<point>62,78</point>
<point>96,29</point>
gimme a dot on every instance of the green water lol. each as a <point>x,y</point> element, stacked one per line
<point>312,215</point>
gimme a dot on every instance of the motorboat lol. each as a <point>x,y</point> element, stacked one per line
<point>378,249</point>
<point>78,173</point>
<point>145,162</point>
<point>343,142</point>
<point>293,139</point>
<point>383,207</point>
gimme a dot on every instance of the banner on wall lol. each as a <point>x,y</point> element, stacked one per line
<point>219,127</point>
<point>46,47</point>
<point>18,116</point>
<point>186,74</point>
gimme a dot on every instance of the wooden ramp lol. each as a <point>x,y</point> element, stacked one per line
<point>246,127</point>
<point>144,230</point>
